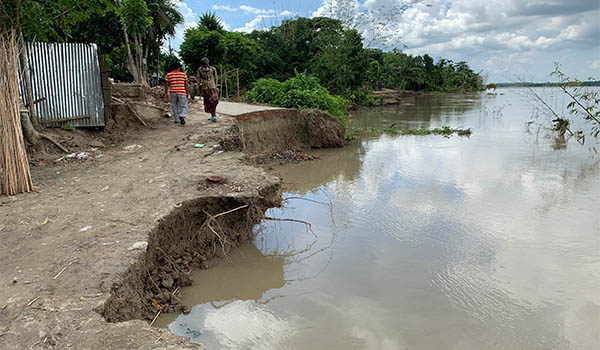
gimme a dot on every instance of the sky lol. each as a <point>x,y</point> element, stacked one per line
<point>507,40</point>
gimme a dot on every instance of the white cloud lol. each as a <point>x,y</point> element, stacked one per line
<point>248,9</point>
<point>595,64</point>
<point>257,23</point>
<point>473,30</point>
<point>264,19</point>
<point>189,18</point>
<point>256,11</point>
<point>218,7</point>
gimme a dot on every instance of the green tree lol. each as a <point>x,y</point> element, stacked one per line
<point>47,20</point>
<point>200,42</point>
<point>230,49</point>
<point>135,20</point>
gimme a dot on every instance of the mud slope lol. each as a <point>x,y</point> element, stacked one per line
<point>188,237</point>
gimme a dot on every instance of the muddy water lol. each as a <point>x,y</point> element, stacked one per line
<point>487,242</point>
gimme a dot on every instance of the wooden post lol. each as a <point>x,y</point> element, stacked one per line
<point>28,87</point>
<point>226,87</point>
<point>238,82</point>
<point>106,86</point>
<point>221,81</point>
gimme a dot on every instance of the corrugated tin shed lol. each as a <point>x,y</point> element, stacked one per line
<point>67,77</point>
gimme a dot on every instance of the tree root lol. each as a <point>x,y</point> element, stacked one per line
<point>56,143</point>
<point>212,218</point>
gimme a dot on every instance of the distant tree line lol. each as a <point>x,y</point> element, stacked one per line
<point>324,48</point>
<point>588,83</point>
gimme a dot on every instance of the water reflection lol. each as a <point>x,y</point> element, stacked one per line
<point>490,242</point>
<point>236,325</point>
<point>329,166</point>
<point>246,274</point>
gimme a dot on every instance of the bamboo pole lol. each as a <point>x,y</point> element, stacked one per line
<point>226,87</point>
<point>15,176</point>
<point>238,82</point>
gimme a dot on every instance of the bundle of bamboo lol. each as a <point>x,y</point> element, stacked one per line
<point>15,176</point>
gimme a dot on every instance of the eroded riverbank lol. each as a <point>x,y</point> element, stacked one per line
<point>74,245</point>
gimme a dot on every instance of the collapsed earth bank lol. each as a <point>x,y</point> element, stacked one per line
<point>208,226</point>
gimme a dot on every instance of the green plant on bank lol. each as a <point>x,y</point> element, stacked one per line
<point>585,104</point>
<point>445,131</point>
<point>302,92</point>
<point>68,127</point>
<point>351,133</point>
<point>361,96</point>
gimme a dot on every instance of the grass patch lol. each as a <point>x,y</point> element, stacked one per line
<point>445,131</point>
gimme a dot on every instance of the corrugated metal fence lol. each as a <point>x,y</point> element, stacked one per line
<point>66,77</point>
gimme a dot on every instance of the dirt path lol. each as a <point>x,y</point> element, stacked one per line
<point>62,247</point>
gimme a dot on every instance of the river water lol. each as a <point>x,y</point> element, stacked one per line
<point>424,242</point>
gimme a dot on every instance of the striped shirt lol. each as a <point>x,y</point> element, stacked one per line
<point>176,81</point>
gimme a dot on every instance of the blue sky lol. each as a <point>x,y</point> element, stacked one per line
<point>507,40</point>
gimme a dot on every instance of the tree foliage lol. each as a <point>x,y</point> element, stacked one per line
<point>136,16</point>
<point>47,20</point>
<point>229,49</point>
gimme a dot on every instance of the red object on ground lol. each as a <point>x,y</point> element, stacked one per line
<point>216,178</point>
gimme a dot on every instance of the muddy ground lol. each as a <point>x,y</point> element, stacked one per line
<point>71,246</point>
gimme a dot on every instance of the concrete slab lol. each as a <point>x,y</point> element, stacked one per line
<point>234,109</point>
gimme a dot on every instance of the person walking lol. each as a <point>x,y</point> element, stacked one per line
<point>208,79</point>
<point>176,88</point>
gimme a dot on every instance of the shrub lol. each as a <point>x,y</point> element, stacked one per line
<point>302,91</point>
<point>265,90</point>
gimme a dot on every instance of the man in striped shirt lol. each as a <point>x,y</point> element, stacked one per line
<point>176,87</point>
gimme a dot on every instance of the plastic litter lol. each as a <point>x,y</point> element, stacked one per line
<point>138,246</point>
<point>85,229</point>
<point>199,145</point>
<point>132,147</point>
<point>80,155</point>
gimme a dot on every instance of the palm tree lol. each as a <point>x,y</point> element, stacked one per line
<point>211,22</point>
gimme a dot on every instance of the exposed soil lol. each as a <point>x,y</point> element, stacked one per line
<point>71,251</point>
<point>284,135</point>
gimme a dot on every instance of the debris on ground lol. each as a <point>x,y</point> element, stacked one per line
<point>132,147</point>
<point>138,246</point>
<point>80,155</point>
